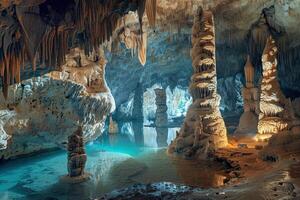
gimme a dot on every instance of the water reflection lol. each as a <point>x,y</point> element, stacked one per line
<point>136,135</point>
<point>137,154</point>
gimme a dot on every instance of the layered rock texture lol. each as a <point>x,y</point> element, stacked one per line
<point>76,154</point>
<point>40,113</point>
<point>275,111</point>
<point>203,130</point>
<point>249,119</point>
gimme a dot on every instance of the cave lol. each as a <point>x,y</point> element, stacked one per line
<point>149,99</point>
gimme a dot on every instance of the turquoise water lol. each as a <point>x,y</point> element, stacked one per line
<point>136,155</point>
<point>38,177</point>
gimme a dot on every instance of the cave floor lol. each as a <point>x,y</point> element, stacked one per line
<point>136,158</point>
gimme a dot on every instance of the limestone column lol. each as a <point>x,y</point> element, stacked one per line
<point>249,119</point>
<point>273,115</point>
<point>76,158</point>
<point>161,116</point>
<point>137,112</point>
<point>204,129</point>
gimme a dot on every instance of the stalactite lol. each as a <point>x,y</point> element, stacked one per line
<point>151,11</point>
<point>51,40</point>
<point>143,49</point>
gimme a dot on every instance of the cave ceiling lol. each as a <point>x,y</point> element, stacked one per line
<point>32,29</point>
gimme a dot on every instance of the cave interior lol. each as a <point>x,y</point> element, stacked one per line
<point>149,99</point>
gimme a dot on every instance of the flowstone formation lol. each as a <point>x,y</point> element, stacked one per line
<point>161,116</point>
<point>249,119</point>
<point>203,130</point>
<point>275,111</point>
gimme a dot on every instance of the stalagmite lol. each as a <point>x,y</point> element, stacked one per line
<point>274,115</point>
<point>203,130</point>
<point>161,116</point>
<point>249,119</point>
<point>113,126</point>
<point>76,158</point>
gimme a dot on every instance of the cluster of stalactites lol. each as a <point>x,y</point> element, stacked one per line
<point>25,36</point>
<point>136,42</point>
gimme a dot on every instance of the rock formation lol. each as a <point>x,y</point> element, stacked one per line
<point>161,116</point>
<point>203,130</point>
<point>274,113</point>
<point>76,154</point>
<point>113,126</point>
<point>249,119</point>
<point>135,41</point>
<point>40,113</point>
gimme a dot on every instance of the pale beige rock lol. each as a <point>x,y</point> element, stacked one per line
<point>249,119</point>
<point>275,112</point>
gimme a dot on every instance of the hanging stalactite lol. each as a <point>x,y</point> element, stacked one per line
<point>43,33</point>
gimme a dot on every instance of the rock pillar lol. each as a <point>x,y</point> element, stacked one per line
<point>203,121</point>
<point>76,158</point>
<point>274,114</point>
<point>249,119</point>
<point>161,116</point>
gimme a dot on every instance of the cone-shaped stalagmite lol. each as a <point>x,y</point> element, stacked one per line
<point>249,119</point>
<point>204,130</point>
<point>273,115</point>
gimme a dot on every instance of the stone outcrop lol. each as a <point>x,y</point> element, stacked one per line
<point>203,130</point>
<point>40,113</point>
<point>274,115</point>
<point>249,119</point>
<point>161,116</point>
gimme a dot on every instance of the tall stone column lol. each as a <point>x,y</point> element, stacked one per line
<point>249,119</point>
<point>274,113</point>
<point>137,112</point>
<point>204,129</point>
<point>161,116</point>
<point>76,158</point>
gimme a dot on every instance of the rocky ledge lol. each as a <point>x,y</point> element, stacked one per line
<point>40,113</point>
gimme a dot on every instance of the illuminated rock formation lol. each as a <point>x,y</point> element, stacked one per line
<point>88,71</point>
<point>135,41</point>
<point>274,113</point>
<point>42,112</point>
<point>203,130</point>
<point>161,116</point>
<point>249,119</point>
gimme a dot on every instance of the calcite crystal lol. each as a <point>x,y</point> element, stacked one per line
<point>203,130</point>
<point>161,116</point>
<point>274,113</point>
<point>249,119</point>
